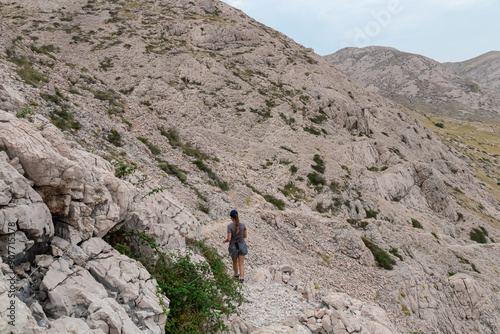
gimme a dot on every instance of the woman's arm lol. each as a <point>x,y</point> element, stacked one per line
<point>229,237</point>
<point>245,234</point>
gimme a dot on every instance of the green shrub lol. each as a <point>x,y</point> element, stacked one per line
<point>439,125</point>
<point>175,141</point>
<point>203,208</point>
<point>26,70</point>
<point>395,252</point>
<point>44,49</point>
<point>415,223</point>
<point>372,169</point>
<point>64,120</point>
<point>320,164</point>
<point>172,170</point>
<point>291,190</point>
<point>114,138</point>
<point>316,179</point>
<point>335,187</point>
<point>359,225</point>
<point>312,130</point>
<point>320,208</point>
<point>26,113</point>
<point>371,214</point>
<point>278,203</point>
<point>201,294</point>
<point>293,169</point>
<point>382,259</point>
<point>155,150</point>
<point>255,190</point>
<point>319,119</point>
<point>479,235</point>
<point>124,168</point>
<point>288,149</point>
<point>211,174</point>
<point>116,104</point>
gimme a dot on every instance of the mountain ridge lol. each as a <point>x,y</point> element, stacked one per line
<point>485,69</point>
<point>418,82</point>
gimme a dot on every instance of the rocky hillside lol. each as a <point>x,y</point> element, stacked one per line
<point>161,116</point>
<point>485,69</point>
<point>418,82</point>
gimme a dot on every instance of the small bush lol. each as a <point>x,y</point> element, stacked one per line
<point>26,113</point>
<point>293,169</point>
<point>173,170</point>
<point>316,179</point>
<point>382,259</point>
<point>278,203</point>
<point>203,208</point>
<point>371,214</point>
<point>320,164</point>
<point>415,223</point>
<point>201,294</point>
<point>124,168</point>
<point>155,150</point>
<point>26,70</point>
<point>288,149</point>
<point>395,252</point>
<point>479,235</point>
<point>372,169</point>
<point>201,166</point>
<point>312,130</point>
<point>64,120</point>
<point>359,225</point>
<point>439,125</point>
<point>175,141</point>
<point>115,101</point>
<point>114,138</point>
<point>318,119</point>
<point>290,190</point>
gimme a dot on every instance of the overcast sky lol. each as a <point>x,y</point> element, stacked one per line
<point>444,30</point>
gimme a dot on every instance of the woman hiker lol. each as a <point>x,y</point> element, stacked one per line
<point>236,235</point>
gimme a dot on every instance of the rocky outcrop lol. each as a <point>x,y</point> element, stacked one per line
<point>56,204</point>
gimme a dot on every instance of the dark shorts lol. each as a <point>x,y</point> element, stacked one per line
<point>236,252</point>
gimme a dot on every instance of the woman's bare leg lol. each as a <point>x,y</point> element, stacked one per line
<point>235,265</point>
<point>241,260</point>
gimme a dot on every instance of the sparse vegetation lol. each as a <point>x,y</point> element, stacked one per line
<point>394,251</point>
<point>26,113</point>
<point>382,259</point>
<point>371,213</point>
<point>114,138</point>
<point>211,174</point>
<point>316,179</point>
<point>172,170</point>
<point>320,164</point>
<point>291,190</point>
<point>124,168</point>
<point>64,120</point>
<point>278,203</point>
<point>479,235</point>
<point>312,130</point>
<point>415,223</point>
<point>26,70</point>
<point>175,141</point>
<point>201,294</point>
<point>155,150</point>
